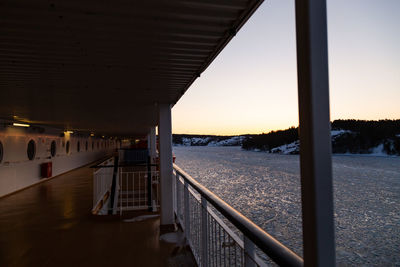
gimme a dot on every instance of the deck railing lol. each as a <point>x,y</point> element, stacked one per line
<point>218,234</point>
<point>134,192</point>
<point>134,188</point>
<point>102,181</point>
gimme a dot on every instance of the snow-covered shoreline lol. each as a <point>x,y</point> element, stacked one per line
<point>286,149</point>
<point>211,141</point>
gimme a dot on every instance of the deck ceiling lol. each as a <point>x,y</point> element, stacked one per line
<point>102,66</point>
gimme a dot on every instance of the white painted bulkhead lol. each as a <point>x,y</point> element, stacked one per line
<point>17,171</point>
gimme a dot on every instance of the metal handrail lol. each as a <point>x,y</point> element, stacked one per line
<point>123,165</point>
<point>101,186</point>
<point>279,253</point>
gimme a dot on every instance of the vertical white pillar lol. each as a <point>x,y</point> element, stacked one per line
<point>165,133</point>
<point>152,143</point>
<point>315,136</point>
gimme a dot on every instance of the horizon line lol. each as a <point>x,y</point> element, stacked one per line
<point>274,130</point>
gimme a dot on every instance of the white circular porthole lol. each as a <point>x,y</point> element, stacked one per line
<point>31,150</point>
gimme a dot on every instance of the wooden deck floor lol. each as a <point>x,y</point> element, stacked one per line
<point>50,224</point>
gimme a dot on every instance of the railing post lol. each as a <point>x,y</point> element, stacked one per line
<point>174,192</point>
<point>204,233</point>
<point>178,197</point>
<point>152,144</point>
<point>187,209</point>
<point>95,185</point>
<point>149,184</point>
<point>249,253</point>
<point>120,184</point>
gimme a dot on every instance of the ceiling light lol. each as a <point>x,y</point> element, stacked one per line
<point>21,124</point>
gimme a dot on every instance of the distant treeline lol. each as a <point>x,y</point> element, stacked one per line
<point>359,136</point>
<point>365,135</point>
<point>268,141</point>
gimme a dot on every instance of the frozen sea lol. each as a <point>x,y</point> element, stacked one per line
<point>266,188</point>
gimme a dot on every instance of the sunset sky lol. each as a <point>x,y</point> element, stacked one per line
<point>252,85</point>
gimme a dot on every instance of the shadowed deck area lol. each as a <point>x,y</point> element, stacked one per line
<point>50,224</point>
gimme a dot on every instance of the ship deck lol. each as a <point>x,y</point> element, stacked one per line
<point>50,224</point>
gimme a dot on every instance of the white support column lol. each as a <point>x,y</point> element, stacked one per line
<point>152,143</point>
<point>315,137</point>
<point>165,134</point>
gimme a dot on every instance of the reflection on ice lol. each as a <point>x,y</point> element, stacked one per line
<point>266,188</point>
